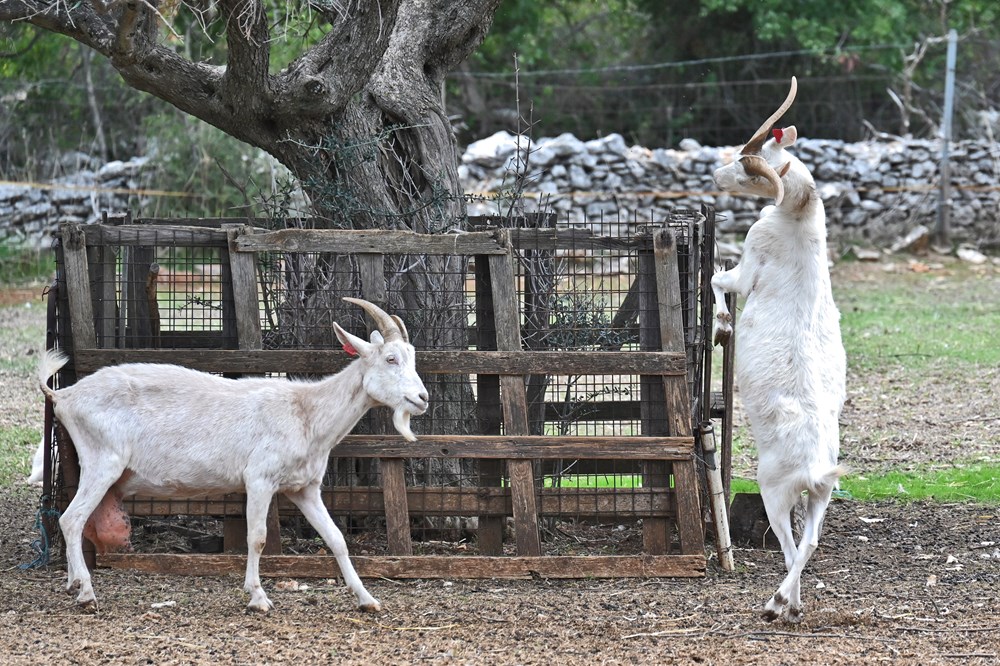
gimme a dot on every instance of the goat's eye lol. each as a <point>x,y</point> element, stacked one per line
<point>391,360</point>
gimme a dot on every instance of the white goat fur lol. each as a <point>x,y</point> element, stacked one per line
<point>790,361</point>
<point>169,431</point>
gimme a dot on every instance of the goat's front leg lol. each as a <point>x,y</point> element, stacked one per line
<point>310,503</point>
<point>258,501</point>
<point>722,327</point>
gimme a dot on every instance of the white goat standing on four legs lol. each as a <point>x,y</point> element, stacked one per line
<point>169,431</point>
<point>790,361</point>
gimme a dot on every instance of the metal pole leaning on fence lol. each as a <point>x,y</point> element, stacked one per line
<point>717,497</point>
<point>941,233</point>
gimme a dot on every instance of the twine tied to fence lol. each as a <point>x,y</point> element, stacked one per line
<point>41,544</point>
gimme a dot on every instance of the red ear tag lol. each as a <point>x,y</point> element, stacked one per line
<point>778,133</point>
<point>350,349</point>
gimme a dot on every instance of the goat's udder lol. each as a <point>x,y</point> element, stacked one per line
<point>109,527</point>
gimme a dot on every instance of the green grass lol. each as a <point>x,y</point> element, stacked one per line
<point>915,319</point>
<point>17,444</point>
<point>20,265</point>
<point>596,481</point>
<point>962,483</point>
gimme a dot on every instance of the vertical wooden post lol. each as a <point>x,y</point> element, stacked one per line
<point>391,470</point>
<point>81,313</point>
<point>656,532</point>
<point>246,317</point>
<point>515,403</point>
<point>679,417</point>
<point>490,531</point>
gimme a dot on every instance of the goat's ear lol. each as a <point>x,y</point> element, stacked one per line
<point>783,169</point>
<point>352,344</point>
<point>785,137</point>
<point>377,338</point>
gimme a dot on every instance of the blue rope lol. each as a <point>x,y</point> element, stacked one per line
<point>40,545</point>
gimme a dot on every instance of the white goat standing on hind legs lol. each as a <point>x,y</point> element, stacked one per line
<point>169,431</point>
<point>790,361</point>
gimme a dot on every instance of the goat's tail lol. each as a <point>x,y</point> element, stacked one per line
<point>828,479</point>
<point>52,360</point>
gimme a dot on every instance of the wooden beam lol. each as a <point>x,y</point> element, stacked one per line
<point>81,307</point>
<point>370,241</point>
<point>518,447</point>
<point>514,400</point>
<point>328,361</point>
<point>426,566</point>
<point>491,502</point>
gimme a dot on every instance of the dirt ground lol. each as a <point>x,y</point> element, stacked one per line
<point>901,583</point>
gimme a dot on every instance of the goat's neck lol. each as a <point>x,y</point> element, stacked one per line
<point>333,406</point>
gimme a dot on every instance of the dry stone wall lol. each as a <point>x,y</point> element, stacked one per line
<point>875,192</point>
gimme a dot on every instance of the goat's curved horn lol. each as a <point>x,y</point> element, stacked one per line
<point>756,142</point>
<point>755,165</point>
<point>386,324</point>
<point>402,327</point>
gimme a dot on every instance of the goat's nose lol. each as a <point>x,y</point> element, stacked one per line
<point>423,396</point>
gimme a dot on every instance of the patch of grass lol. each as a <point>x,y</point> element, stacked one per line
<point>596,481</point>
<point>19,265</point>
<point>913,319</point>
<point>17,444</point>
<point>979,483</point>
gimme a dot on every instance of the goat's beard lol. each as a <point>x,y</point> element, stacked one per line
<point>401,420</point>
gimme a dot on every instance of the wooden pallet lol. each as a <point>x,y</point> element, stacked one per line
<point>500,367</point>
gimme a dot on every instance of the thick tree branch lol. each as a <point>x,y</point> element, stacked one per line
<point>249,47</point>
<point>323,79</point>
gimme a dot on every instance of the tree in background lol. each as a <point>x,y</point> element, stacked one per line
<point>350,102</point>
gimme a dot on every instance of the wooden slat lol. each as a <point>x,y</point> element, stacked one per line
<point>375,241</point>
<point>426,566</point>
<point>574,239</point>
<point>81,307</point>
<point>690,526</point>
<point>153,236</point>
<point>491,502</point>
<point>489,412</point>
<point>515,407</point>
<point>391,470</point>
<point>656,532</point>
<point>243,271</point>
<point>520,447</point>
<point>328,361</point>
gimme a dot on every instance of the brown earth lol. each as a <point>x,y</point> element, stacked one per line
<point>901,583</point>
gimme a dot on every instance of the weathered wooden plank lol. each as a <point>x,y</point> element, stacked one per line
<point>656,532</point>
<point>493,502</point>
<point>690,525</point>
<point>376,241</point>
<point>520,447</point>
<point>420,566</point>
<point>513,398</point>
<point>489,412</point>
<point>328,361</point>
<point>575,239</point>
<point>81,307</point>
<point>155,235</point>
<point>243,274</point>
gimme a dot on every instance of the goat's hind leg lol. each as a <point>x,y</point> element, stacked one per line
<point>95,481</point>
<point>310,503</point>
<point>779,502</point>
<point>258,501</point>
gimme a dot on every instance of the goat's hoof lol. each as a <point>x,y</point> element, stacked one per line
<point>769,615</point>
<point>372,606</point>
<point>722,328</point>
<point>87,604</point>
<point>793,614</point>
<point>263,608</point>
